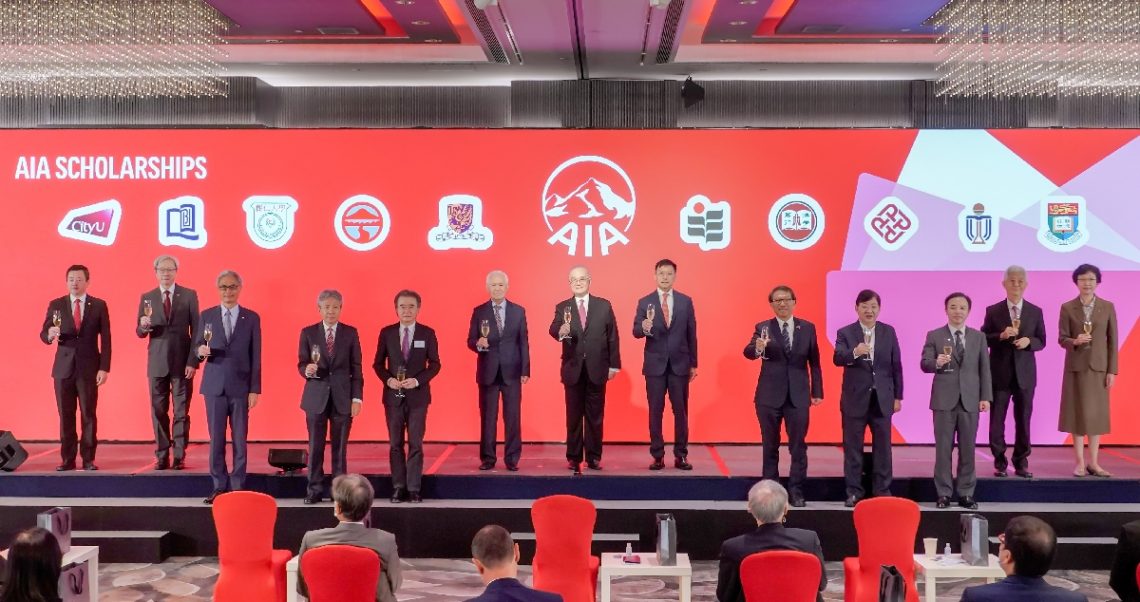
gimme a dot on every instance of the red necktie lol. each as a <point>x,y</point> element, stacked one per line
<point>665,309</point>
<point>77,315</point>
<point>404,345</point>
<point>581,313</point>
<point>166,305</point>
<point>329,340</point>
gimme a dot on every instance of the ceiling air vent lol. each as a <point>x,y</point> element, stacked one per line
<point>820,29</point>
<point>338,31</point>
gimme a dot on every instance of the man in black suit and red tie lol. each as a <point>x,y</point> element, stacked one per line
<point>585,325</point>
<point>790,382</point>
<point>1015,332</point>
<point>168,319</point>
<point>499,336</point>
<point>81,325</point>
<point>666,320</point>
<point>328,356</point>
<point>407,358</point>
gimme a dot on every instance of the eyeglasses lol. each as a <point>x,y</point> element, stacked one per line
<point>783,300</point>
<point>1086,279</point>
<point>578,280</point>
<point>228,287</point>
<point>166,270</point>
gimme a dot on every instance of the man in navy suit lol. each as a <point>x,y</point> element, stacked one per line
<point>868,352</point>
<point>81,325</point>
<point>496,557</point>
<point>768,504</point>
<point>1013,365</point>
<point>334,388</point>
<point>231,380</point>
<point>1025,552</point>
<point>666,320</point>
<point>784,391</point>
<point>502,368</point>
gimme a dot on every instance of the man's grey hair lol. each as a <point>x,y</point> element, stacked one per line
<point>329,293</point>
<point>579,267</point>
<point>225,273</point>
<point>493,273</point>
<point>1014,270</point>
<point>162,258</point>
<point>767,501</point>
<point>353,494</point>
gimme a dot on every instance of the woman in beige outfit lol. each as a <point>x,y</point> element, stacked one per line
<point>1088,333</point>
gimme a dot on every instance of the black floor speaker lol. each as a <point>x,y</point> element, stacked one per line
<point>12,454</point>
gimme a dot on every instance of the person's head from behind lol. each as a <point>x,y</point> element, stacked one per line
<point>352,497</point>
<point>33,567</point>
<point>768,502</point>
<point>494,553</point>
<point>1027,547</point>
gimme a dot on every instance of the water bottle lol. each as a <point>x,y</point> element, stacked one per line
<point>946,551</point>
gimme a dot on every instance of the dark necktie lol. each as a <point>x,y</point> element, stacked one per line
<point>405,345</point>
<point>166,305</point>
<point>329,340</point>
<point>787,339</point>
<point>959,350</point>
<point>499,317</point>
<point>228,325</point>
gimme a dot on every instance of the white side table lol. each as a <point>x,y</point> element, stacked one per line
<point>79,554</point>
<point>934,569</point>
<point>291,569</point>
<point>612,566</point>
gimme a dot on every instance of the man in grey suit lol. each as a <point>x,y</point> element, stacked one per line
<point>956,355</point>
<point>352,505</point>
<point>168,319</point>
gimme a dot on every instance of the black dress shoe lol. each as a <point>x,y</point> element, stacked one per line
<point>486,466</point>
<point>797,501</point>
<point>658,464</point>
<point>415,497</point>
<point>593,465</point>
<point>162,464</point>
<point>851,501</point>
<point>682,464</point>
<point>213,495</point>
<point>398,495</point>
<point>572,465</point>
<point>968,503</point>
<point>1023,473</point>
<point>513,467</point>
<point>90,466</point>
<point>1001,474</point>
<point>943,502</point>
<point>178,464</point>
<point>312,499</point>
<point>65,466</point>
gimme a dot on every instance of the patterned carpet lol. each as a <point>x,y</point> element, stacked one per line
<point>434,580</point>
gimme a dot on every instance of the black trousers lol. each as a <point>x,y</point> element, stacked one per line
<point>71,394</point>
<point>511,395</point>
<point>335,426</point>
<point>1022,413</point>
<point>164,389</point>
<point>881,466</point>
<point>223,411</point>
<point>796,423</point>
<point>678,388</point>
<point>410,417</point>
<point>585,408</point>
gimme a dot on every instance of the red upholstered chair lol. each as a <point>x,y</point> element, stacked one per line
<point>887,528</point>
<point>563,528</point>
<point>337,573</point>
<point>780,576</point>
<point>249,569</point>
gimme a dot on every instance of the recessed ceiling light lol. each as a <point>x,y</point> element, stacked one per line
<point>738,22</point>
<point>421,22</point>
<point>747,2</point>
<point>728,41</point>
<point>272,41</point>
<point>298,31</point>
<point>432,41</point>
<point>405,2</point>
<point>888,40</point>
<point>905,29</point>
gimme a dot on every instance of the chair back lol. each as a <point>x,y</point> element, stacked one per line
<point>244,521</point>
<point>563,529</point>
<point>340,573</point>
<point>780,576</point>
<point>887,528</point>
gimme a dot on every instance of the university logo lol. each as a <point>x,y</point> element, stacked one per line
<point>977,230</point>
<point>269,220</point>
<point>588,197</point>
<point>796,221</point>
<point>705,223</point>
<point>1063,226</point>
<point>362,222</point>
<point>891,223</point>
<point>182,222</point>
<point>460,225</point>
<point>97,224</point>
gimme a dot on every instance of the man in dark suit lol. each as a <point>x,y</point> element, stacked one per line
<point>352,504</point>
<point>666,320</point>
<point>961,388</point>
<point>168,319</point>
<point>585,325</point>
<point>81,325</point>
<point>1025,552</point>
<point>1015,332</point>
<point>334,388</point>
<point>412,346</point>
<point>229,341</point>
<point>496,557</point>
<point>502,368</point>
<point>768,504</point>
<point>784,391</point>
<point>868,351</point>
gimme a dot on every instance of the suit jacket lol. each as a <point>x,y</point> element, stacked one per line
<point>596,345</point>
<point>168,350</point>
<point>509,351</point>
<point>233,368</point>
<point>883,374</point>
<point>355,534</point>
<point>510,590</point>
<point>772,536</point>
<point>1099,357</point>
<point>970,380</point>
<point>783,375</point>
<point>1020,589</point>
<point>1007,360</point>
<point>80,353</point>
<point>1123,575</point>
<point>339,377</point>
<point>422,364</point>
<point>673,346</point>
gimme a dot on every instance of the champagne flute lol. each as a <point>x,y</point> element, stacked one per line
<point>207,332</point>
<point>566,317</point>
<point>764,337</point>
<point>1016,324</point>
<point>948,350</point>
<point>1086,327</point>
<point>650,312</point>
<point>147,310</point>
<point>56,319</point>
<point>485,330</point>
<point>401,374</point>
<point>315,356</point>
<point>867,341</point>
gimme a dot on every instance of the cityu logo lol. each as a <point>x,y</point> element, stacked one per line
<point>97,223</point>
<point>588,197</point>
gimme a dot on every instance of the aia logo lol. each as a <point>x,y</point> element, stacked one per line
<point>97,224</point>
<point>588,198</point>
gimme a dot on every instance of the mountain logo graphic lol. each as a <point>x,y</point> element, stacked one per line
<point>587,198</point>
<point>362,222</point>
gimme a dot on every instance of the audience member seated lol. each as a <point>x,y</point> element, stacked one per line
<point>1025,553</point>
<point>496,556</point>
<point>768,503</point>
<point>33,568</point>
<point>1123,575</point>
<point>352,503</point>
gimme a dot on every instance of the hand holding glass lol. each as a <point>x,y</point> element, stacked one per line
<point>867,341</point>
<point>484,331</point>
<point>315,357</point>
<point>56,319</point>
<point>948,351</point>
<point>566,317</point>
<point>650,312</point>
<point>401,374</point>
<point>763,348</point>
